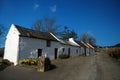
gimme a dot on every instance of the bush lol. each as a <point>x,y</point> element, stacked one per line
<point>33,61</point>
<point>47,61</point>
<point>29,61</point>
<point>5,61</point>
<point>114,52</point>
<point>63,56</point>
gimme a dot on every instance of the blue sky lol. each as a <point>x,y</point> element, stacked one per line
<point>101,18</point>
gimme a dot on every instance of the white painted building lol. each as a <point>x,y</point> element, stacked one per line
<point>91,48</point>
<point>86,48</point>
<point>25,43</point>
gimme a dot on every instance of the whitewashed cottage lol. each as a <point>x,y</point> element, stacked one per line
<point>23,43</point>
<point>86,48</point>
<point>69,47</point>
<point>27,43</point>
<point>91,48</point>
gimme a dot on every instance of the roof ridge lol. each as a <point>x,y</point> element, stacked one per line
<point>29,28</point>
<point>27,32</point>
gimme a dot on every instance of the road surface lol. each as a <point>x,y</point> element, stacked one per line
<point>94,67</point>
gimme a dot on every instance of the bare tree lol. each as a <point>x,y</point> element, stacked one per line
<point>38,25</point>
<point>46,24</point>
<point>2,32</point>
<point>88,38</point>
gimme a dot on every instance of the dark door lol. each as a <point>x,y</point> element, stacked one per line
<point>56,50</point>
<point>39,52</point>
<point>85,50</point>
<point>69,52</point>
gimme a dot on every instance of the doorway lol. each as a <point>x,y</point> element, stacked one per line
<point>39,52</point>
<point>69,52</point>
<point>56,51</point>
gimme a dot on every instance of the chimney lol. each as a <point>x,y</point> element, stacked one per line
<point>71,39</point>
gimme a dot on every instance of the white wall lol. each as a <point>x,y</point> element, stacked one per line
<point>82,51</point>
<point>27,45</point>
<point>74,50</point>
<point>11,45</point>
<point>91,51</point>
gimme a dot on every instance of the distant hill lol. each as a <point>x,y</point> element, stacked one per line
<point>117,45</point>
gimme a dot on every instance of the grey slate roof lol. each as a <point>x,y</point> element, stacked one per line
<point>65,42</point>
<point>25,32</point>
<point>79,42</point>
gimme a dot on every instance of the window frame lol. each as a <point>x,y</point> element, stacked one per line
<point>48,43</point>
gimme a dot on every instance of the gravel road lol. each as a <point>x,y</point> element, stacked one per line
<point>94,67</point>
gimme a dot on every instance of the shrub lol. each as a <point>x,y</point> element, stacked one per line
<point>29,61</point>
<point>47,63</point>
<point>5,61</point>
<point>63,56</point>
<point>0,60</point>
<point>114,52</point>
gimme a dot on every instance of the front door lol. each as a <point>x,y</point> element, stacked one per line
<point>56,50</point>
<point>69,52</point>
<point>39,52</point>
<point>85,51</point>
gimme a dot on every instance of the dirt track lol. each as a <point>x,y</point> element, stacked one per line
<point>93,67</point>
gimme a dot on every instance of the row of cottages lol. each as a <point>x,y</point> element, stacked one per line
<point>24,43</point>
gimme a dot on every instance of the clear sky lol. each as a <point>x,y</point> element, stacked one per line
<point>101,18</point>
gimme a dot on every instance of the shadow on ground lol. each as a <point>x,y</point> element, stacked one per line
<point>3,66</point>
<point>53,67</point>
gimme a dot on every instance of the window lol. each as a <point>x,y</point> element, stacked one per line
<point>48,43</point>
